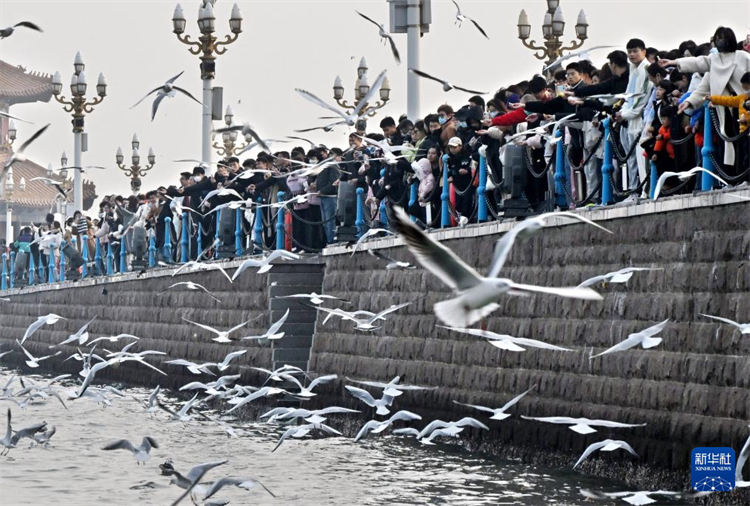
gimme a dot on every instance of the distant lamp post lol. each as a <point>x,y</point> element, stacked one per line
<point>229,146</point>
<point>12,132</point>
<point>9,189</point>
<point>207,47</point>
<point>361,88</point>
<point>79,107</point>
<point>135,171</point>
<point>552,31</point>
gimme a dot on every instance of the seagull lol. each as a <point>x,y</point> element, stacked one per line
<point>7,440</point>
<point>582,54</point>
<point>246,130</point>
<point>393,264</point>
<point>51,182</point>
<point>644,338</point>
<point>123,356</point>
<point>384,35</point>
<point>153,400</point>
<point>273,331</point>
<point>475,294</point>
<point>9,116</point>
<point>460,18</point>
<point>744,328</point>
<point>84,168</point>
<point>182,414</point>
<point>33,361</point>
<point>90,377</point>
<point>306,392</point>
<point>303,430</point>
<point>583,425</point>
<point>315,416</point>
<point>12,437</point>
<point>49,319</point>
<point>18,154</point>
<point>113,339</point>
<point>167,89</point>
<point>621,276</point>
<point>499,413</point>
<point>193,476</point>
<point>541,130</point>
<point>370,233</point>
<point>304,139</point>
<point>192,366</point>
<point>42,438</point>
<point>193,266</point>
<point>276,374</point>
<point>81,335</point>
<point>192,286</point>
<point>348,118</point>
<point>377,426</point>
<point>241,482</point>
<point>141,452</point>
<point>393,387</point>
<point>314,298</point>
<point>221,335</point>
<point>264,263</point>
<point>506,342</point>
<point>262,392</point>
<point>326,128</point>
<point>221,192</point>
<point>446,85</point>
<point>456,426</point>
<point>224,364</point>
<point>682,176</point>
<point>607,445</point>
<point>7,32</point>
<point>211,388</point>
<point>381,404</point>
<point>363,320</point>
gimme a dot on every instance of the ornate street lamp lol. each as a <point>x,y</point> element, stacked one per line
<point>135,171</point>
<point>9,189</point>
<point>552,31</point>
<point>361,87</point>
<point>207,47</point>
<point>79,107</point>
<point>229,146</point>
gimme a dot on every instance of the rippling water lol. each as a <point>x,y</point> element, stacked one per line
<point>74,470</point>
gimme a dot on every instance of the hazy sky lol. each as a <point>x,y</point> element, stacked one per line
<point>287,44</point>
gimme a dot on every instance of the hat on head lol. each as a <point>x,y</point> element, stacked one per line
<point>469,112</point>
<point>455,141</point>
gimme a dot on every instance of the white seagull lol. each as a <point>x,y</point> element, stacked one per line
<point>582,54</point>
<point>621,276</point>
<point>81,335</point>
<point>506,342</point>
<point>446,85</point>
<point>498,413</point>
<point>363,320</point>
<point>744,328</point>
<point>306,392</point>
<point>168,89</point>
<point>191,286</point>
<point>301,431</point>
<point>181,415</point>
<point>193,266</point>
<point>246,130</point>
<point>141,452</point>
<point>461,17</point>
<point>193,367</point>
<point>33,361</point>
<point>8,31</point>
<point>393,388</point>
<point>18,154</point>
<point>607,445</point>
<point>273,331</point>
<point>222,336</point>
<point>384,35</point>
<point>645,338</point>
<point>113,339</point>
<point>49,319</point>
<point>381,405</point>
<point>583,425</point>
<point>682,176</point>
<point>314,298</point>
<point>392,262</point>
<point>370,233</point>
<point>377,426</point>
<point>275,375</point>
<point>476,295</point>
<point>265,263</point>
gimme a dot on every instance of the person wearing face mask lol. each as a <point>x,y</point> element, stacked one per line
<point>460,173</point>
<point>448,124</point>
<point>723,73</point>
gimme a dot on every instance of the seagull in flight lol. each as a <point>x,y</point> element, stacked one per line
<point>182,414</point>
<point>301,431</point>
<point>81,335</point>
<point>191,286</point>
<point>384,35</point>
<point>621,276</point>
<point>314,298</point>
<point>381,405</point>
<point>610,99</point>
<point>446,85</point>
<point>10,116</point>
<point>583,425</point>
<point>8,31</point>
<point>607,445</point>
<point>114,339</point>
<point>275,375</point>
<point>193,367</point>
<point>306,392</point>
<point>264,263</point>
<point>52,182</point>
<point>168,89</point>
<point>498,413</point>
<point>18,154</point>
<point>461,17</point>
<point>370,233</point>
<point>582,54</point>
<point>682,176</point>
<point>273,331</point>
<point>475,294</point>
<point>193,266</point>
<point>392,262</point>
<point>645,338</point>
<point>49,319</point>
<point>141,452</point>
<point>246,130</point>
<point>377,426</point>
<point>33,361</point>
<point>506,342</point>
<point>393,387</point>
<point>363,320</point>
<point>744,328</point>
<point>222,336</point>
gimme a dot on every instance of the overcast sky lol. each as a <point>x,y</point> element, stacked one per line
<point>287,44</point>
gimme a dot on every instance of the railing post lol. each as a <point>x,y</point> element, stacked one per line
<point>258,225</point>
<point>97,257</point>
<point>360,221</point>
<point>32,269</point>
<point>707,181</point>
<point>168,240</point>
<point>560,179</point>
<point>62,261</point>
<point>41,268</point>
<point>151,251</point>
<point>185,239</point>
<point>445,213</point>
<point>607,165</point>
<point>481,189</point>
<point>51,265</point>
<point>238,233</point>
<point>652,179</point>
<point>85,255</point>
<point>413,196</point>
<point>123,254</point>
<point>4,281</point>
<point>280,223</point>
<point>110,259</point>
<point>217,242</point>
<point>199,240</point>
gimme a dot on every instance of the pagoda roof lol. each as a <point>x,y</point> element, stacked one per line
<point>17,85</point>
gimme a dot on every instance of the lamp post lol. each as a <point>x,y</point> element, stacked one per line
<point>229,146</point>
<point>135,171</point>
<point>361,87</point>
<point>62,203</point>
<point>9,188</point>
<point>207,47</point>
<point>11,133</point>
<point>78,106</point>
<point>552,31</point>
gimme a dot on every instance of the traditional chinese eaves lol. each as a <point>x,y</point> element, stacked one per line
<point>19,86</point>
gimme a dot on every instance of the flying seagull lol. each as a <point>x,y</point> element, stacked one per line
<point>273,331</point>
<point>7,32</point>
<point>393,388</point>
<point>381,405</point>
<point>33,361</point>
<point>392,262</point>
<point>193,266</point>
<point>222,336</point>
<point>384,35</point>
<point>246,130</point>
<point>141,452</point>
<point>306,392</point>
<point>645,338</point>
<point>506,342</point>
<point>18,154</point>
<point>191,286</point>
<point>461,17</point>
<point>682,176</point>
<point>621,276</point>
<point>740,463</point>
<point>167,89</point>
<point>498,413</point>
<point>193,367</point>
<point>582,54</point>
<point>51,182</point>
<point>607,445</point>
<point>370,233</point>
<point>475,295</point>
<point>446,85</point>
<point>241,482</point>
<point>10,116</point>
<point>363,320</point>
<point>377,426</point>
<point>583,425</point>
<point>314,298</point>
<point>81,335</point>
<point>744,328</point>
<point>265,263</point>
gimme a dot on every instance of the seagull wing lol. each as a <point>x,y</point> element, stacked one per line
<point>28,24</point>
<point>369,19</point>
<point>589,450</point>
<point>232,356</point>
<point>205,327</point>
<point>391,309</point>
<point>458,9</point>
<point>433,256</point>
<point>186,92</point>
<point>468,421</point>
<point>122,444</point>
<point>362,395</point>
<point>660,182</point>
<point>741,459</point>
<point>312,144</point>
<point>570,292</point>
<point>480,408</point>
<point>261,142</point>
<point>242,482</point>
<point>473,92</point>
<point>427,76</point>
<point>573,216</point>
<point>725,320</point>
<point>370,94</point>
<point>322,380</point>
<point>31,139</point>
<point>502,250</point>
<point>173,79</point>
<point>515,399</point>
<point>366,428</point>
<point>273,329</point>
<point>315,100</point>
<point>394,50</point>
<point>146,96</point>
<point>481,30</point>
<point>155,104</point>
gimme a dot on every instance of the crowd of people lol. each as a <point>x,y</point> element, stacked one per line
<point>655,100</point>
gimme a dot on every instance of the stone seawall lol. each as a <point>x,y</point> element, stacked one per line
<point>691,390</point>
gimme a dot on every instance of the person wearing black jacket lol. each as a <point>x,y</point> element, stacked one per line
<point>460,174</point>
<point>327,183</point>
